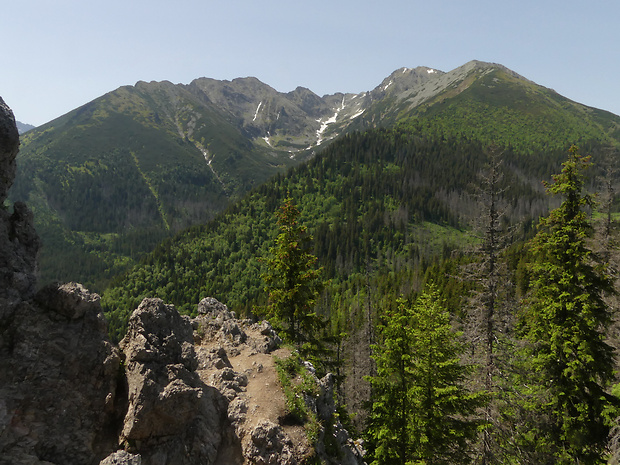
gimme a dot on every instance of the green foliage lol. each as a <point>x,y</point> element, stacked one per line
<point>421,410</point>
<point>297,384</point>
<point>380,205</point>
<point>131,164</point>
<point>499,108</point>
<point>370,198</point>
<point>292,283</point>
<point>565,319</point>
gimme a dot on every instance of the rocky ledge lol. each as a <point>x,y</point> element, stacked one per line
<point>175,390</point>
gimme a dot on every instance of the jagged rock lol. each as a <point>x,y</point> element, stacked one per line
<point>229,382</point>
<point>270,342</point>
<point>19,243</point>
<point>9,145</point>
<point>268,446</point>
<point>213,307</point>
<point>71,300</point>
<point>349,452</point>
<point>173,417</point>
<point>258,433</point>
<point>122,457</point>
<point>215,317</point>
<point>212,357</point>
<point>58,385</point>
<point>58,376</point>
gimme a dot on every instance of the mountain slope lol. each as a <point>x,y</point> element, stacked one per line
<point>488,102</point>
<point>113,177</point>
<point>23,127</point>
<point>387,197</point>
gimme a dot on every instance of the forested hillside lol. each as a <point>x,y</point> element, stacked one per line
<point>111,179</point>
<point>393,211</point>
<point>381,202</point>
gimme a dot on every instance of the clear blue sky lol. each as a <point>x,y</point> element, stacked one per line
<point>60,54</point>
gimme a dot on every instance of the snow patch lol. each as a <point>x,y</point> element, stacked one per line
<point>405,70</point>
<point>388,85</point>
<point>326,123</point>
<point>431,71</point>
<point>257,108</point>
<point>266,139</point>
<point>357,114</point>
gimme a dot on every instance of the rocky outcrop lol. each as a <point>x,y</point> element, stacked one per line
<point>9,145</point>
<point>173,416</point>
<point>58,380</point>
<point>60,397</point>
<point>19,243</point>
<point>238,358</point>
<point>178,391</point>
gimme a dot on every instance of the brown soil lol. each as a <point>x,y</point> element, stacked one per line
<point>264,394</point>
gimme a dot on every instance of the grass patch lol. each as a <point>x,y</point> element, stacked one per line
<point>299,384</point>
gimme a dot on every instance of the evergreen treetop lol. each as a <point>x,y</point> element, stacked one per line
<point>564,322</point>
<point>292,282</point>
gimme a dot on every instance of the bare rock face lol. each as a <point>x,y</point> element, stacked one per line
<point>173,417</point>
<point>122,457</point>
<point>19,243</point>
<point>9,145</point>
<point>58,371</point>
<point>268,445</point>
<point>58,381</point>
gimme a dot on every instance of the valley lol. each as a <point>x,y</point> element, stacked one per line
<point>171,191</point>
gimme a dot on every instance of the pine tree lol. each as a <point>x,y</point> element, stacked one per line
<point>421,411</point>
<point>570,363</point>
<point>292,282</point>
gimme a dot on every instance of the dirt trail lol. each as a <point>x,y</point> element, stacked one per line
<point>263,394</point>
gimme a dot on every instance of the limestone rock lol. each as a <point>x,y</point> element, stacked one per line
<point>58,386</point>
<point>213,307</point>
<point>173,417</point>
<point>19,248</point>
<point>71,300</point>
<point>19,243</point>
<point>257,433</point>
<point>9,145</point>
<point>268,446</point>
<point>215,317</point>
<point>122,457</point>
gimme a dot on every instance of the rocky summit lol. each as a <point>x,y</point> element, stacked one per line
<point>174,391</point>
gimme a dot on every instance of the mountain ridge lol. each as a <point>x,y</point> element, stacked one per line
<point>111,178</point>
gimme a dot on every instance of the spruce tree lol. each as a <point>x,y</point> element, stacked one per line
<point>569,362</point>
<point>421,411</point>
<point>292,282</point>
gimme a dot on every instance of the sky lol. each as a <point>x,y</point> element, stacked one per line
<point>61,54</point>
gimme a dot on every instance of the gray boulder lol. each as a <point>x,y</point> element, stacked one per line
<point>19,243</point>
<point>58,384</point>
<point>122,457</point>
<point>173,417</point>
<point>9,146</point>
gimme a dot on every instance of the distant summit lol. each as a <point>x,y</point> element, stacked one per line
<point>23,127</point>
